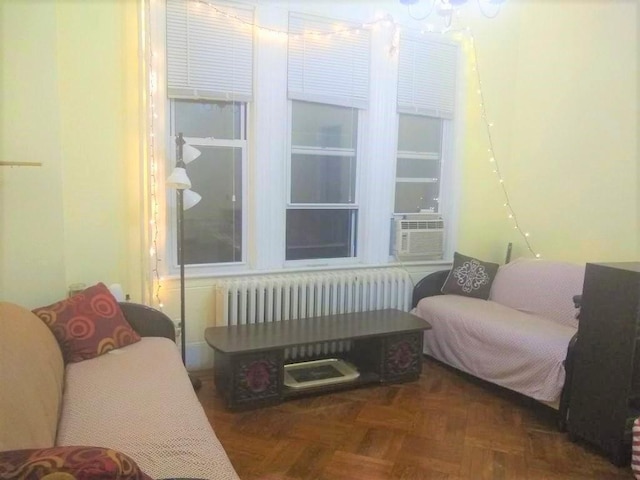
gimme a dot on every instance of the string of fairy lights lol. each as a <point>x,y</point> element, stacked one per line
<point>153,161</point>
<point>511,214</point>
<point>341,29</point>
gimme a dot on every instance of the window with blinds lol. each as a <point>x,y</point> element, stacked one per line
<point>427,71</point>
<point>209,51</point>
<point>328,61</point>
<point>302,108</point>
<point>328,83</point>
<point>209,82</point>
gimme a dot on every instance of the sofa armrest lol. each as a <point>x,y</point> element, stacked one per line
<point>429,286</point>
<point>148,321</point>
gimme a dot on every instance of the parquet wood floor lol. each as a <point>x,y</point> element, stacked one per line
<point>445,426</point>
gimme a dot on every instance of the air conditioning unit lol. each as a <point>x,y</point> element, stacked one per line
<point>419,237</point>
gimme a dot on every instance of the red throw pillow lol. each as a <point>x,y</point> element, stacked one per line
<point>88,324</point>
<point>82,463</point>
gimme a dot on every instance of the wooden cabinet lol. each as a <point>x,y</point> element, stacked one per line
<point>605,390</point>
<point>249,360</point>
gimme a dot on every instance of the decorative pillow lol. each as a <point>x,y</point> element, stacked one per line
<point>635,448</point>
<point>78,463</point>
<point>470,277</point>
<point>88,324</point>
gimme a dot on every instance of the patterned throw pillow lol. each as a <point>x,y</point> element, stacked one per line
<point>78,463</point>
<point>635,448</point>
<point>88,324</point>
<point>470,277</point>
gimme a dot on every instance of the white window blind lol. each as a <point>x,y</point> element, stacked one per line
<point>327,67</point>
<point>209,51</point>
<point>427,72</point>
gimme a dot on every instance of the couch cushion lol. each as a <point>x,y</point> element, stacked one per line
<point>31,380</point>
<point>139,400</point>
<point>540,287</point>
<point>504,346</point>
<point>82,463</point>
<point>470,277</point>
<point>88,324</point>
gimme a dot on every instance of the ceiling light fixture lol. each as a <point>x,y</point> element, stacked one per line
<point>446,8</point>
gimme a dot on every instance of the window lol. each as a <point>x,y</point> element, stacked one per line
<point>418,167</point>
<point>214,227</point>
<point>294,114</point>
<point>427,72</point>
<point>328,82</point>
<point>209,83</point>
<point>322,212</point>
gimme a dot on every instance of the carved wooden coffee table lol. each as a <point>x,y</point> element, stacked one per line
<point>385,347</point>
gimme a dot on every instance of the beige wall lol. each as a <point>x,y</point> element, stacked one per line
<point>70,101</point>
<point>31,198</point>
<point>559,82</point>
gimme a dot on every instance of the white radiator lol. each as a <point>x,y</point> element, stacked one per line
<point>246,300</point>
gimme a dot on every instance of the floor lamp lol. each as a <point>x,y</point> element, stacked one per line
<point>185,199</point>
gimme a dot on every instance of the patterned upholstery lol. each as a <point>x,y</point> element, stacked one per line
<point>149,412</point>
<point>470,277</point>
<point>635,448</point>
<point>77,463</point>
<point>88,324</point>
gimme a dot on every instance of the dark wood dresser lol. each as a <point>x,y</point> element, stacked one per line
<point>605,391</point>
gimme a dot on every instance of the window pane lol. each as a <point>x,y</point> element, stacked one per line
<point>414,197</point>
<point>213,227</point>
<point>322,179</point>
<point>417,168</point>
<point>318,125</point>
<point>220,120</point>
<point>320,234</point>
<point>418,133</point>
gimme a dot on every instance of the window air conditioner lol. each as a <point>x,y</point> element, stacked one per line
<point>420,237</point>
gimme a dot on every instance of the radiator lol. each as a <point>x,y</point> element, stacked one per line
<point>247,300</point>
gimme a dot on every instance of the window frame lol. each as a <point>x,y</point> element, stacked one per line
<point>266,156</point>
<point>354,206</point>
<point>421,155</point>
<point>243,144</point>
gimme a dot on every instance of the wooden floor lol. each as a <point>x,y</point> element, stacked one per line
<point>444,426</point>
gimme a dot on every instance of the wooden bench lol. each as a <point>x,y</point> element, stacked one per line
<point>249,360</point>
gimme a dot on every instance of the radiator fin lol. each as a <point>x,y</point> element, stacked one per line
<point>247,300</point>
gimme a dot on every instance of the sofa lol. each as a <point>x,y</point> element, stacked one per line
<point>521,337</point>
<point>133,402</point>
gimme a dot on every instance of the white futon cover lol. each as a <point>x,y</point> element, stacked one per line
<point>138,400</point>
<point>513,349</point>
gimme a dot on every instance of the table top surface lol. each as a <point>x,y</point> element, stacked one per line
<point>287,333</point>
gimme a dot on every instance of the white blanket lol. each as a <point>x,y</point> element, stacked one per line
<point>520,351</point>
<point>139,400</point>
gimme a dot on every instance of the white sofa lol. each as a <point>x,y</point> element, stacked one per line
<point>518,338</point>
<point>137,399</point>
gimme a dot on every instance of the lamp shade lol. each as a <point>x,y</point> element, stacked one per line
<point>189,153</point>
<point>179,179</point>
<point>190,199</point>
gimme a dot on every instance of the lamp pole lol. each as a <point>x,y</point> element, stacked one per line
<point>195,382</point>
